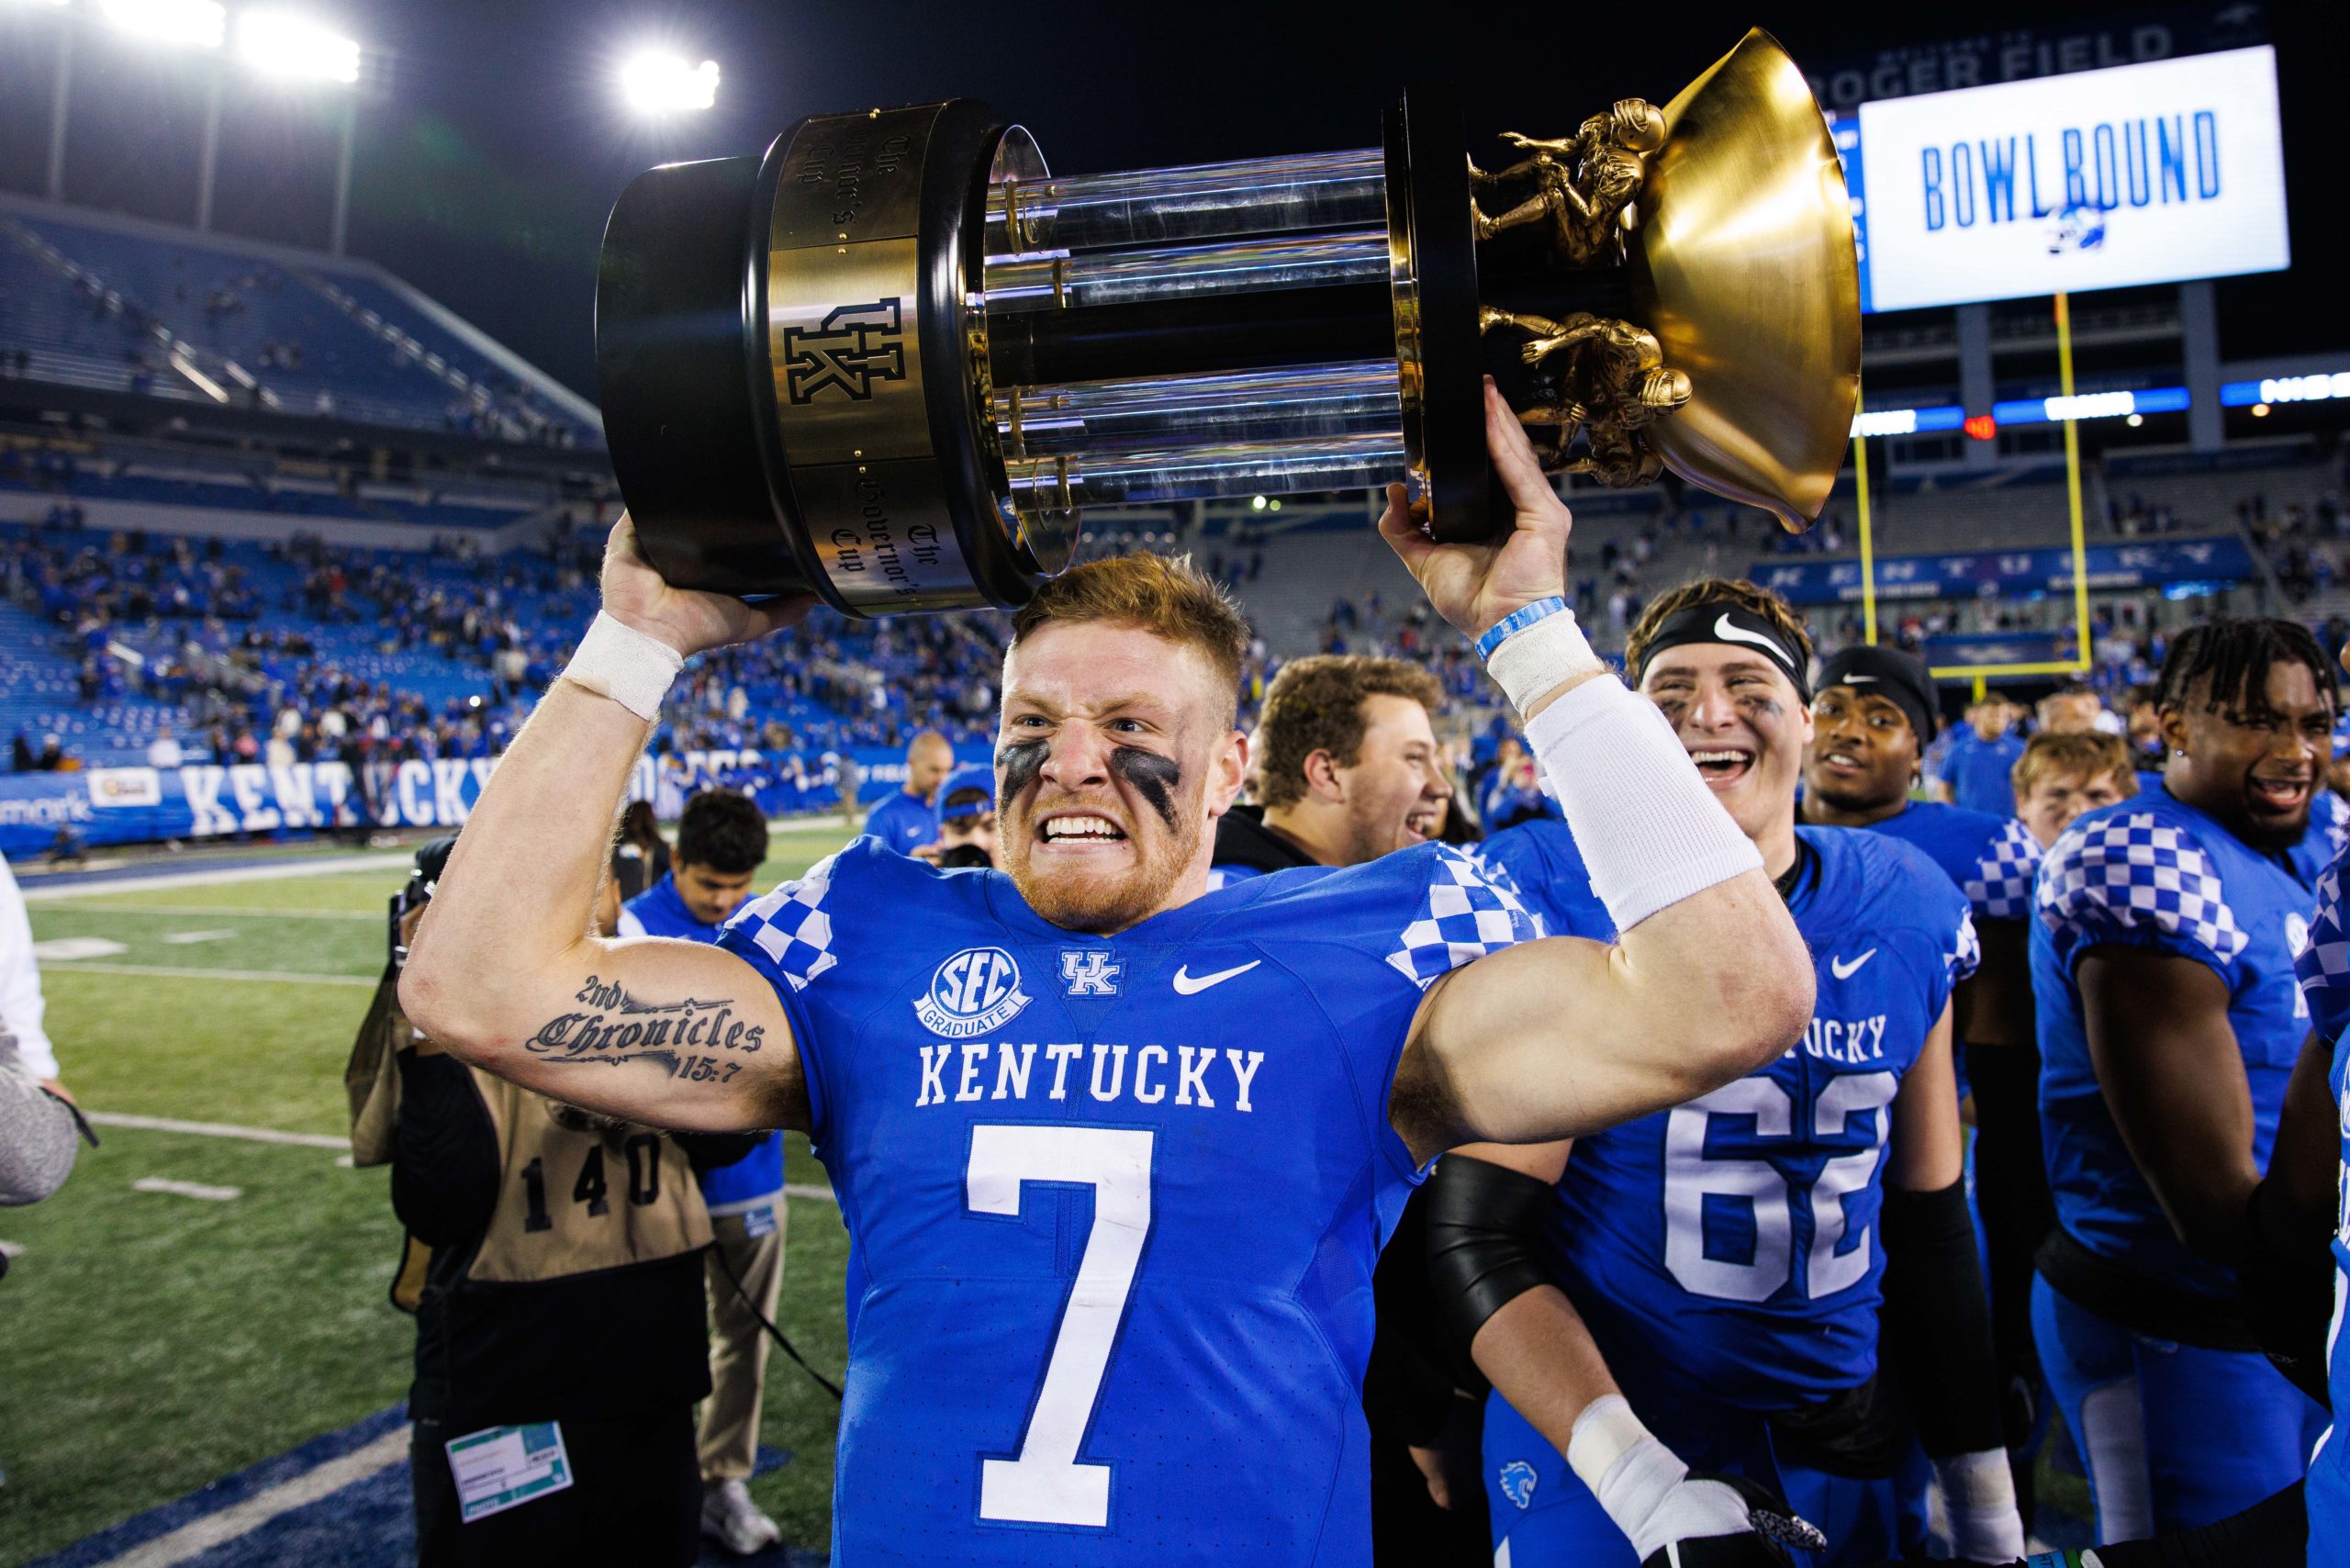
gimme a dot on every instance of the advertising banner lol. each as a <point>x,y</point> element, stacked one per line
<point>2166,563</point>
<point>209,801</point>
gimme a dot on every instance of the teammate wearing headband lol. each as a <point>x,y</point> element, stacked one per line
<point>1872,718</point>
<point>1709,1278</point>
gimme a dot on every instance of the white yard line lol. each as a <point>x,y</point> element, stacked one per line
<point>59,906</point>
<point>191,938</point>
<point>319,1140</point>
<point>203,1190</point>
<point>164,972</point>
<point>326,866</point>
<point>216,1129</point>
<point>199,1536</point>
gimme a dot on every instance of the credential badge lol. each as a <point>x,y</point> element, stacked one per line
<point>975,991</point>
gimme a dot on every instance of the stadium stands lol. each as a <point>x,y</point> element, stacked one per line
<point>118,304</point>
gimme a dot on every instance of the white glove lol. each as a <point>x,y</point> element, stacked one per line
<point>1644,1486</point>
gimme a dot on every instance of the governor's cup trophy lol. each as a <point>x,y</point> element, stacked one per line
<point>894,361</point>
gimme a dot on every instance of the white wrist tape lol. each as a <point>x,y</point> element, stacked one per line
<point>1650,833</point>
<point>1547,653</point>
<point>1980,1493</point>
<point>623,663</point>
<point>1643,1485</point>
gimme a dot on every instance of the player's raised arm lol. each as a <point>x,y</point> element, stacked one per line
<point>505,971</point>
<point>1708,978</point>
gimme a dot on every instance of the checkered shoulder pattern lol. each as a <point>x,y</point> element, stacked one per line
<point>2333,814</point>
<point>2000,887</point>
<point>1471,909</point>
<point>2323,966</point>
<point>2135,871</point>
<point>1966,954</point>
<point>791,927</point>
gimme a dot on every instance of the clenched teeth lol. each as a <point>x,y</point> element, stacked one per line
<point>1099,829</point>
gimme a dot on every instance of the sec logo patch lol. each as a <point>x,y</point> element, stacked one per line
<point>974,991</point>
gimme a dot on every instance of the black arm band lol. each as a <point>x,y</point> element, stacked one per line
<point>1485,1241</point>
<point>2286,1283</point>
<point>1936,1330</point>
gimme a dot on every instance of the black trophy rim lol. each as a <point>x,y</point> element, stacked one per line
<point>1428,168</point>
<point>681,425</point>
<point>953,236</point>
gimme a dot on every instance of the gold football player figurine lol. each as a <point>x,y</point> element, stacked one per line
<point>1582,184</point>
<point>1613,382</point>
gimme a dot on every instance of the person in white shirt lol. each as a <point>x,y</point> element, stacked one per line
<point>164,751</point>
<point>20,1000</point>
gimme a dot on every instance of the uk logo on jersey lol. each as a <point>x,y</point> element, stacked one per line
<point>1089,974</point>
<point>1518,1479</point>
<point>974,991</point>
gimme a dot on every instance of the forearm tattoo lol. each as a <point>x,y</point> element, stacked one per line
<point>699,1039</point>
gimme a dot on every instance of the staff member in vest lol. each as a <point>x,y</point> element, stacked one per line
<point>559,1334</point>
<point>721,839</point>
<point>908,819</point>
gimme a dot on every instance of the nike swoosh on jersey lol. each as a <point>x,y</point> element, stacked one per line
<point>1846,971</point>
<point>1187,985</point>
<point>1724,630</point>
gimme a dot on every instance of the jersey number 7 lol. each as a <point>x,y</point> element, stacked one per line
<point>1044,1483</point>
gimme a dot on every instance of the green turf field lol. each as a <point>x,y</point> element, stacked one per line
<point>156,1342</point>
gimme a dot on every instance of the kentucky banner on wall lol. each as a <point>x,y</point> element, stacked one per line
<point>2166,563</point>
<point>202,800</point>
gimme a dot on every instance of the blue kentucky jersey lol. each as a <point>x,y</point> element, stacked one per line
<point>1980,773</point>
<point>905,823</point>
<point>659,910</point>
<point>1545,865</point>
<point>2324,969</point>
<point>2154,873</point>
<point>1991,858</point>
<point>1727,1249</point>
<point>1116,1199</point>
<point>757,1177</point>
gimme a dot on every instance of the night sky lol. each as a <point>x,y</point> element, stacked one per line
<point>491,143</point>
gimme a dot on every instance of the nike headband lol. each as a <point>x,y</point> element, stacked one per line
<point>1731,625</point>
<point>1890,672</point>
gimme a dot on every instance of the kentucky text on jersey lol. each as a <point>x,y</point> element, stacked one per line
<point>1155,1069</point>
<point>1115,1201</point>
<point>1845,1041</point>
<point>2139,163</point>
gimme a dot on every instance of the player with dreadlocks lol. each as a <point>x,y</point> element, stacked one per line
<point>2163,967</point>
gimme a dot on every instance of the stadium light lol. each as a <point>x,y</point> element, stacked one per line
<point>281,44</point>
<point>2091,406</point>
<point>187,23</point>
<point>2318,388</point>
<point>659,82</point>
